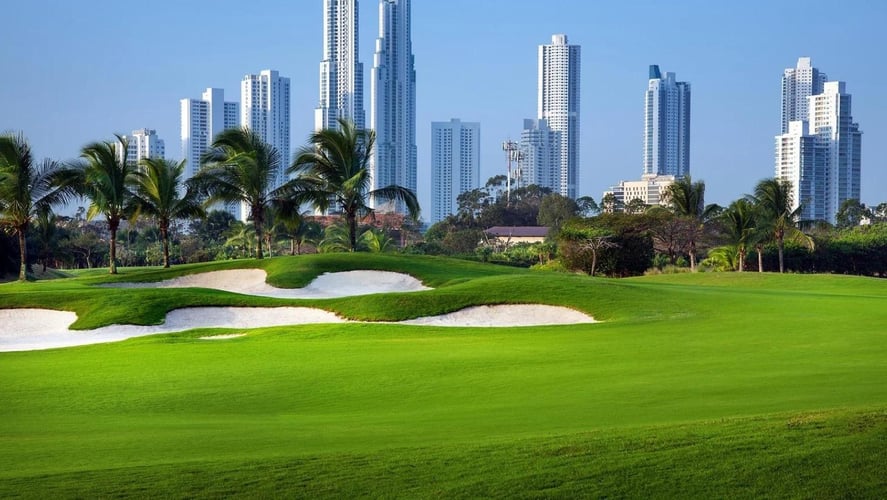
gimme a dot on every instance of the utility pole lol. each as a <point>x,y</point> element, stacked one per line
<point>512,154</point>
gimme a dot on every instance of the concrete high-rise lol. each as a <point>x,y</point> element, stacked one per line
<point>558,105</point>
<point>393,102</point>
<point>202,119</point>
<point>822,156</point>
<point>539,161</point>
<point>265,109</point>
<point>341,73</point>
<point>666,125</point>
<point>798,84</point>
<point>144,143</point>
<point>455,164</point>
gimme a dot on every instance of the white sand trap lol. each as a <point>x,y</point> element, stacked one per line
<point>33,329</point>
<point>224,337</point>
<point>506,315</point>
<point>325,286</point>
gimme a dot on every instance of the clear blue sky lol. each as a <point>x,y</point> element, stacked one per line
<point>78,71</point>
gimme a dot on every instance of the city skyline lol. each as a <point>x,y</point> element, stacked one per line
<point>734,74</point>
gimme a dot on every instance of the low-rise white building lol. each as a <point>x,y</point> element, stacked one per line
<point>650,189</point>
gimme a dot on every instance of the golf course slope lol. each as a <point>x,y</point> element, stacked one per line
<point>689,386</point>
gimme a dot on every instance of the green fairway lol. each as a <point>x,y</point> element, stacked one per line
<point>704,385</point>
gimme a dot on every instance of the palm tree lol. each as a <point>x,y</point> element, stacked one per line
<point>295,226</point>
<point>687,200</point>
<point>334,168</point>
<point>241,168</point>
<point>106,178</point>
<point>27,189</point>
<point>740,224</point>
<point>161,193</point>
<point>774,201</point>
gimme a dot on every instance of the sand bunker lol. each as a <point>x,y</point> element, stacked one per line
<point>325,286</point>
<point>506,315</point>
<point>33,329</point>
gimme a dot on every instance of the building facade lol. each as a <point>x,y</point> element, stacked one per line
<point>265,109</point>
<point>558,105</point>
<point>144,143</point>
<point>455,164</point>
<point>802,162</point>
<point>820,150</point>
<point>650,189</point>
<point>393,103</point>
<point>666,125</point>
<point>201,120</point>
<point>341,72</point>
<point>798,84</point>
<point>540,151</point>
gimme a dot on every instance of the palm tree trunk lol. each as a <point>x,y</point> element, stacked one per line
<point>293,246</point>
<point>760,251</point>
<point>164,237</point>
<point>23,253</point>
<point>780,243</point>
<point>113,223</point>
<point>352,230</point>
<point>693,256</point>
<point>259,221</point>
<point>741,259</point>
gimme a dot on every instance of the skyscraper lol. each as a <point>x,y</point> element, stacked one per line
<point>822,156</point>
<point>666,125</point>
<point>539,161</point>
<point>265,109</point>
<point>202,119</point>
<point>798,84</point>
<point>455,164</point>
<point>558,104</point>
<point>341,73</point>
<point>393,103</point>
<point>144,143</point>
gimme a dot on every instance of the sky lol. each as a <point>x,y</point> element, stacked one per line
<point>77,71</point>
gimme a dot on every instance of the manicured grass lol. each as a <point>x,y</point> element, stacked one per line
<point>703,386</point>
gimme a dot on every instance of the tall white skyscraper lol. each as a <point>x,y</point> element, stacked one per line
<point>666,125</point>
<point>265,109</point>
<point>455,164</point>
<point>341,73</point>
<point>822,157</point>
<point>539,161</point>
<point>144,143</point>
<point>798,84</point>
<point>393,102</point>
<point>202,119</point>
<point>559,68</point>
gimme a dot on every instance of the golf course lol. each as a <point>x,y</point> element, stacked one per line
<point>693,385</point>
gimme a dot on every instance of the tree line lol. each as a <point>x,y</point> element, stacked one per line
<point>331,172</point>
<point>758,232</point>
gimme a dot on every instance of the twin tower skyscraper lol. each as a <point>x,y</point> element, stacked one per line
<point>392,86</point>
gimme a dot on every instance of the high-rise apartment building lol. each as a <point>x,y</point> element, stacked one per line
<point>822,156</point>
<point>202,119</point>
<point>393,102</point>
<point>455,164</point>
<point>666,125</point>
<point>558,104</point>
<point>798,84</point>
<point>265,109</point>
<point>341,73</point>
<point>539,161</point>
<point>144,143</point>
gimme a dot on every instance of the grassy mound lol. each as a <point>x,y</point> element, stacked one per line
<point>695,385</point>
